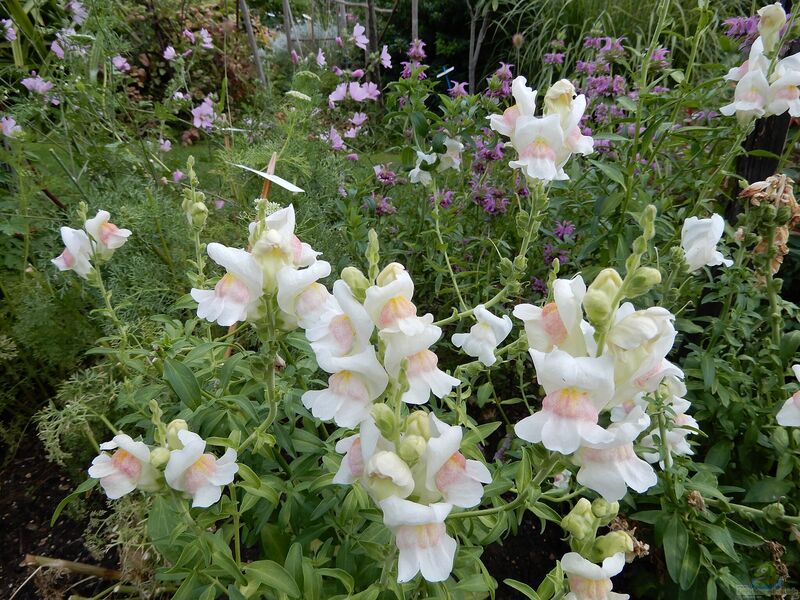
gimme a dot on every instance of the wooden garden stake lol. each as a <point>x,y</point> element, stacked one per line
<point>251,38</point>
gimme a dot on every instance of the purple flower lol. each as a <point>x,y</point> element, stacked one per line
<point>357,74</point>
<point>219,204</point>
<point>459,89</point>
<point>618,85</point>
<point>78,11</point>
<point>353,157</point>
<point>550,253</point>
<point>743,29</point>
<point>351,132</point>
<point>9,32</point>
<point>358,119</point>
<point>384,175</point>
<point>10,127</point>
<point>169,53</point>
<point>55,48</point>
<point>177,176</point>
<point>592,42</point>
<point>207,40</point>
<point>564,229</point>
<point>188,35</point>
<point>386,58</point>
<point>409,67</point>
<point>383,205</point>
<point>203,116</point>
<point>337,143</point>
<point>120,64</point>
<point>443,198</point>
<point>612,47</point>
<point>358,37</point>
<point>294,56</point>
<point>416,51</point>
<point>504,72</point>
<point>337,95</point>
<point>553,58</point>
<point>164,145</point>
<point>538,285</point>
<point>36,84</point>
<point>339,42</point>
<point>583,66</point>
<point>659,57</point>
<point>321,58</point>
<point>337,71</point>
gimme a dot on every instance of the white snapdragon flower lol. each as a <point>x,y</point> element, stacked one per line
<point>683,425</point>
<point>418,174</point>
<point>389,302</point>
<point>560,99</point>
<point>558,324</point>
<point>771,20</point>
<point>784,95</point>
<point>750,97</point>
<point>610,468</point>
<point>357,450</point>
<point>302,298</point>
<point>699,238</point>
<point>525,98</point>
<point>423,373</point>
<point>236,295</point>
<point>126,469</point>
<point>447,472</point>
<point>386,475</point>
<point>588,581</point>
<point>451,159</point>
<point>789,414</point>
<point>200,475</point>
<point>77,252</point>
<point>421,537</point>
<point>755,62</point>
<point>539,141</point>
<point>485,336</point>
<point>355,383</point>
<point>344,332</point>
<point>274,245</point>
<point>577,390</point>
<point>107,236</point>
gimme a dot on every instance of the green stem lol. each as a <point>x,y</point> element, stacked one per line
<point>772,292</point>
<point>443,248</point>
<point>237,543</point>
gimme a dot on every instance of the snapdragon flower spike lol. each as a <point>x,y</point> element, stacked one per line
<point>610,468</point>
<point>77,252</point>
<point>577,390</point>
<point>588,581</point>
<point>699,238</point>
<point>421,537</point>
<point>423,373</point>
<point>343,332</point>
<point>485,336</point>
<point>236,296</point>
<point>789,414</point>
<point>356,382</point>
<point>126,469</point>
<point>198,474</point>
<point>302,298</point>
<point>558,324</point>
<point>447,472</point>
<point>107,236</point>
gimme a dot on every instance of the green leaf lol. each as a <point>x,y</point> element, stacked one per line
<point>767,490</point>
<point>721,537</point>
<point>709,370</point>
<point>274,576</point>
<point>343,576</point>
<point>676,541</point>
<point>743,536</point>
<point>81,489</point>
<point>419,123</point>
<point>610,171</point>
<point>522,588</point>
<point>183,382</point>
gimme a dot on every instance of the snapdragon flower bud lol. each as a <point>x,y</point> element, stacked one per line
<point>771,20</point>
<point>173,442</point>
<point>159,457</point>
<point>198,215</point>
<point>580,521</point>
<point>357,282</point>
<point>385,420</point>
<point>604,510</point>
<point>390,273</point>
<point>419,423</point>
<point>386,474</point>
<point>599,299</point>
<point>610,544</point>
<point>642,281</point>
<point>411,448</point>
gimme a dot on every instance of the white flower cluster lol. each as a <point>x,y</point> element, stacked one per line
<point>187,467</point>
<point>544,144</point>
<point>761,88</point>
<point>449,159</point>
<point>97,240</point>
<point>581,385</point>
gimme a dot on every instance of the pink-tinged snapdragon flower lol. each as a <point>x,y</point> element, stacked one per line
<point>198,474</point>
<point>356,382</point>
<point>302,298</point>
<point>448,473</point>
<point>125,469</point>
<point>10,127</point>
<point>169,53</point>
<point>77,252</point>
<point>458,90</point>
<point>236,296</point>
<point>107,237</point>
<point>784,95</point>
<point>321,62</point>
<point>344,331</point>
<point>120,64</point>
<point>9,33</point>
<point>164,145</point>
<point>485,336</point>
<point>525,105</point>
<point>37,84</point>
<point>750,97</point>
<point>789,414</point>
<point>358,37</point>
<point>421,537</point>
<point>588,581</point>
<point>203,116</point>
<point>386,58</point>
<point>577,390</point>
<point>451,158</point>
<point>699,238</point>
<point>540,145</point>
<point>205,38</point>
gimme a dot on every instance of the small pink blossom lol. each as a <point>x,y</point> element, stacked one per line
<point>372,90</point>
<point>36,84</point>
<point>79,13</point>
<point>188,35</point>
<point>56,49</point>
<point>339,42</point>
<point>358,36</point>
<point>9,32</point>
<point>205,36</point>
<point>459,89</point>
<point>337,71</point>
<point>169,53</point>
<point>357,93</point>
<point>337,95</point>
<point>352,157</point>
<point>120,64</point>
<point>295,57</point>
<point>177,176</point>
<point>416,51</point>
<point>321,58</point>
<point>204,116</point>
<point>219,204</point>
<point>164,145</point>
<point>351,132</point>
<point>10,127</point>
<point>337,143</point>
<point>386,58</point>
<point>358,119</point>
<point>357,74</point>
